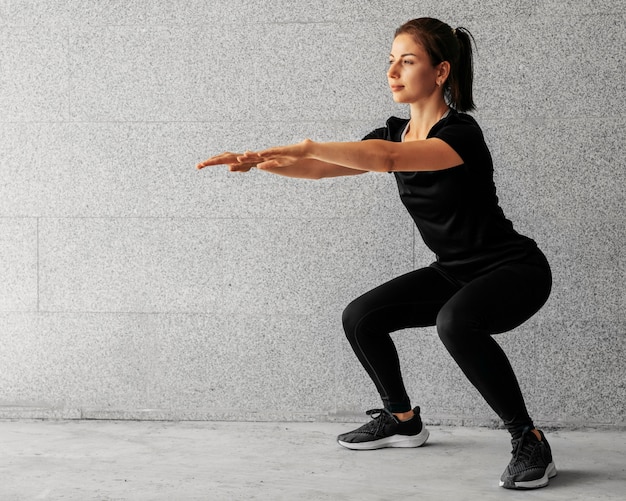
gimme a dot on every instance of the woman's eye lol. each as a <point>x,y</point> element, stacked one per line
<point>406,61</point>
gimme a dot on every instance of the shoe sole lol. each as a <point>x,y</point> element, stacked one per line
<point>532,484</point>
<point>400,441</point>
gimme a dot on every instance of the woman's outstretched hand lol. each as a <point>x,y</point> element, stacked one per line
<point>278,157</point>
<point>231,159</point>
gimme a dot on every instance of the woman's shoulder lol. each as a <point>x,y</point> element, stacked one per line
<point>456,123</point>
<point>392,131</point>
<point>458,118</point>
<point>462,132</point>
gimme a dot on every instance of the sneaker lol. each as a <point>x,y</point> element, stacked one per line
<point>385,430</point>
<point>531,466</point>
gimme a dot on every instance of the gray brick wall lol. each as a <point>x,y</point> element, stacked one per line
<point>133,286</point>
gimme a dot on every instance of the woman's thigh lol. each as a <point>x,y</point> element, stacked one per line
<point>501,300</point>
<point>410,300</point>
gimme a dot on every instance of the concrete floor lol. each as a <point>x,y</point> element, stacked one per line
<point>112,460</point>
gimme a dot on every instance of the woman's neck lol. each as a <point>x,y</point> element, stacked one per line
<point>423,117</point>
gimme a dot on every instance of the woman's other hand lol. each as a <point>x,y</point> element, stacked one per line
<point>235,162</point>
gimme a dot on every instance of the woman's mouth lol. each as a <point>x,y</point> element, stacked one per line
<point>396,88</point>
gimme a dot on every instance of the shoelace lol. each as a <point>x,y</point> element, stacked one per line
<point>380,417</point>
<point>523,447</point>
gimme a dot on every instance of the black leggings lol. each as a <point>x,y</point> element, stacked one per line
<point>466,315</point>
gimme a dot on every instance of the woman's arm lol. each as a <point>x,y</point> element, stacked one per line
<point>311,168</point>
<point>387,156</point>
<point>303,168</point>
<point>375,155</point>
<point>312,160</point>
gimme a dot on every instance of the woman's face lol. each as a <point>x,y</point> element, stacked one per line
<point>411,75</point>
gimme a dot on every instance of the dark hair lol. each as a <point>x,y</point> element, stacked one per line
<point>442,43</point>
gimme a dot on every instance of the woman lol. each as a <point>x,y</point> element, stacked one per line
<point>487,278</point>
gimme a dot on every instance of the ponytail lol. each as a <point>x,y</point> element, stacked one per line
<point>459,88</point>
<point>442,43</point>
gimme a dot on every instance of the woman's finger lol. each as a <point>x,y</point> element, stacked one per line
<point>272,164</point>
<point>221,159</point>
<point>250,156</point>
<point>241,167</point>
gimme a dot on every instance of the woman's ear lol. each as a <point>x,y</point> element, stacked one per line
<point>443,72</point>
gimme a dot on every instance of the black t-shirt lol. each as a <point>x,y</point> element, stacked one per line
<point>456,210</point>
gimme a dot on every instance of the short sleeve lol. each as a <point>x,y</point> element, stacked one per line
<point>465,137</point>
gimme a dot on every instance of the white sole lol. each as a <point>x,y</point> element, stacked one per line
<point>403,441</point>
<point>535,484</point>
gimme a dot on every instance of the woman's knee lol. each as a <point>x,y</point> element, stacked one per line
<point>454,327</point>
<point>352,314</point>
